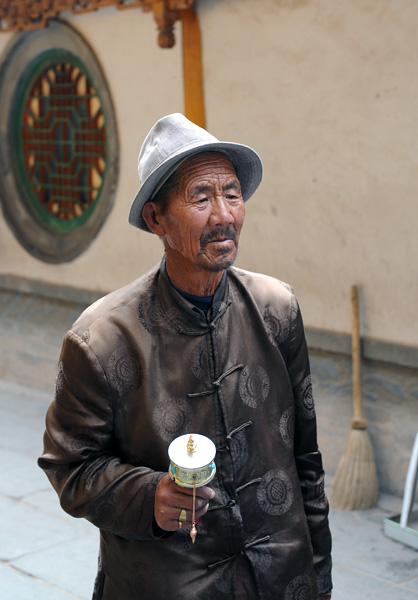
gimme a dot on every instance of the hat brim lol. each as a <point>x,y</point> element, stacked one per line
<point>247,164</point>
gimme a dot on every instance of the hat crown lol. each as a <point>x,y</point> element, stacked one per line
<point>171,141</point>
<point>170,136</point>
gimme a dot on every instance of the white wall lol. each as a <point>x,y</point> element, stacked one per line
<point>327,93</point>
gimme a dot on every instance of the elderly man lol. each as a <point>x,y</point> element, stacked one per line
<point>195,345</point>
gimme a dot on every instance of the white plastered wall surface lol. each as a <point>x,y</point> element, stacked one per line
<point>326,92</point>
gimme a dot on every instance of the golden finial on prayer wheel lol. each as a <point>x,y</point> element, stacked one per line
<point>191,445</point>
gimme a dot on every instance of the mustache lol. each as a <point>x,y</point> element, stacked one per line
<point>225,233</point>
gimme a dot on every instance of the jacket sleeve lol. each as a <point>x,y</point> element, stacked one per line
<point>79,457</point>
<point>307,455</point>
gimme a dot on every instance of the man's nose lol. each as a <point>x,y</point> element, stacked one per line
<point>221,213</point>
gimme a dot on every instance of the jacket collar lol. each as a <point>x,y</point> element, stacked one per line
<point>182,314</point>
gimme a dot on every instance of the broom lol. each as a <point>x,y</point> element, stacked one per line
<point>355,482</point>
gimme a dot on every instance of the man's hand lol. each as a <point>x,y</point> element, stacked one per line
<point>326,597</point>
<point>170,499</point>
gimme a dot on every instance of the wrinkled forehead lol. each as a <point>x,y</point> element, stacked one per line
<point>205,165</point>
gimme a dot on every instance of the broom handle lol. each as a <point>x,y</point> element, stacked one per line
<point>359,422</point>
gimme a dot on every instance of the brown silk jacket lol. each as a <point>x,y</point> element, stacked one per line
<point>142,366</point>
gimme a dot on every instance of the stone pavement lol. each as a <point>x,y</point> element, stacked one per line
<point>47,555</point>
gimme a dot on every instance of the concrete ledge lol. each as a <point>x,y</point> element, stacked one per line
<point>405,356</point>
<point>12,283</point>
<point>371,349</point>
<point>329,341</point>
<point>318,339</point>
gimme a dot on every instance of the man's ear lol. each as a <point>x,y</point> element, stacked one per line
<point>151,216</point>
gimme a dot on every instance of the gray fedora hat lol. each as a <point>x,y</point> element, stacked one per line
<point>170,142</point>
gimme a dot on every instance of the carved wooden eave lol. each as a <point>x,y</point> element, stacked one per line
<point>34,14</point>
<point>18,15</point>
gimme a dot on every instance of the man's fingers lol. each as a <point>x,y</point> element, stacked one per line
<point>204,492</point>
<point>199,512</point>
<point>171,499</point>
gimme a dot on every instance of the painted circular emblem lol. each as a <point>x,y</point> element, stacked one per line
<point>275,493</point>
<point>254,385</point>
<point>59,142</point>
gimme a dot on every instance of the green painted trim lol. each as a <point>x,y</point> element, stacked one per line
<point>31,74</point>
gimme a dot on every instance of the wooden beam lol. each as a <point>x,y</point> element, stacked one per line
<point>165,19</point>
<point>192,68</point>
<point>30,14</point>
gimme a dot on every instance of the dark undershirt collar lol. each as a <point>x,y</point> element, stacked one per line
<point>201,302</point>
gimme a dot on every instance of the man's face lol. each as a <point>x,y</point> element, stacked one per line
<point>204,215</point>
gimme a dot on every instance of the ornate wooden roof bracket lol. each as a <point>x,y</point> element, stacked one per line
<point>34,14</point>
<point>18,15</point>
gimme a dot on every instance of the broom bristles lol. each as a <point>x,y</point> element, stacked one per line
<point>355,486</point>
